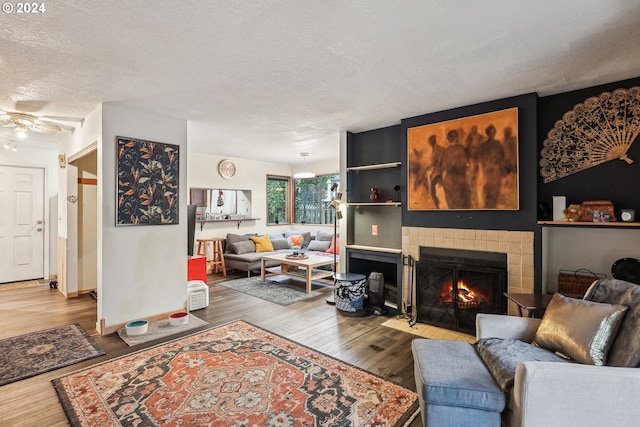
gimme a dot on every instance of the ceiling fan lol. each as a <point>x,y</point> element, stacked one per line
<point>22,122</point>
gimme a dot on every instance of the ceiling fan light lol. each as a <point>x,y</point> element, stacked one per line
<point>20,130</point>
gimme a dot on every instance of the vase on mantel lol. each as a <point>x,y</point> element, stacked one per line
<point>375,195</point>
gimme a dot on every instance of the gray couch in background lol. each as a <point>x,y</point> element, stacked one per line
<point>240,252</point>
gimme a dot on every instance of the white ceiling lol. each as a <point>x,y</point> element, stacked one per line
<point>268,79</point>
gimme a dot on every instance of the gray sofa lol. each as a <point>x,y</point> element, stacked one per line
<point>505,379</point>
<point>240,251</point>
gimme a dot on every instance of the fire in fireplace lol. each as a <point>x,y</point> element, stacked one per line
<point>453,285</point>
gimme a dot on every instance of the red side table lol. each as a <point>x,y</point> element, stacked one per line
<point>197,268</point>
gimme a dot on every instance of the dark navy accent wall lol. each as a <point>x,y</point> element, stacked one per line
<point>523,219</point>
<point>614,180</point>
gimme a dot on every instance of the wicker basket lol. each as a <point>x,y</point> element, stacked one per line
<point>576,282</point>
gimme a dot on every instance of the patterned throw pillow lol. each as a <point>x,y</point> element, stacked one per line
<point>295,242</point>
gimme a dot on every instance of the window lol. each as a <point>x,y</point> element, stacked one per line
<point>312,197</point>
<point>278,199</point>
<point>309,203</point>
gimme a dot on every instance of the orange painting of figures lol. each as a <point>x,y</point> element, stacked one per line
<point>469,163</point>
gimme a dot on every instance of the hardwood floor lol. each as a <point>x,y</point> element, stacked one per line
<point>361,341</point>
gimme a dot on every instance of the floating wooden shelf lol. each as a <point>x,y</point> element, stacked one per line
<point>202,222</point>
<point>374,204</point>
<point>374,167</point>
<point>375,249</point>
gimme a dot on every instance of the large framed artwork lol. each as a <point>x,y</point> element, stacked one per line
<point>470,163</point>
<point>147,189</point>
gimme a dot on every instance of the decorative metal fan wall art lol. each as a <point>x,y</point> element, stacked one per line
<point>600,129</point>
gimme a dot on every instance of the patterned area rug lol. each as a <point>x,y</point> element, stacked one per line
<point>272,290</point>
<point>161,329</point>
<point>35,353</point>
<point>232,375</point>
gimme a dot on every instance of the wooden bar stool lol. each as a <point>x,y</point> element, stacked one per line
<point>217,257</point>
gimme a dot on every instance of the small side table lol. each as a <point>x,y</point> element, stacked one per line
<point>533,303</point>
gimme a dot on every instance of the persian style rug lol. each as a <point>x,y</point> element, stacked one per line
<point>273,291</point>
<point>35,353</point>
<point>161,329</point>
<point>232,375</point>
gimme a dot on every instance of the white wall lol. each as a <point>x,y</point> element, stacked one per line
<point>143,269</point>
<point>593,248</point>
<point>250,175</point>
<point>47,160</point>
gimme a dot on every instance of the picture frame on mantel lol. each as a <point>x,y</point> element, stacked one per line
<point>147,182</point>
<point>468,163</point>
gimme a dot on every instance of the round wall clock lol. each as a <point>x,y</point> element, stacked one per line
<point>227,169</point>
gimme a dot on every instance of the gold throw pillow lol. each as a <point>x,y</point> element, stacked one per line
<point>263,243</point>
<point>581,330</point>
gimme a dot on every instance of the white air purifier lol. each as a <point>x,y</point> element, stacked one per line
<point>198,294</point>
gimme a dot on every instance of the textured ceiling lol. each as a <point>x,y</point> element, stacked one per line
<point>269,79</point>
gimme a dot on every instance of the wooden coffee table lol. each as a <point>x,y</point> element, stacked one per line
<point>304,268</point>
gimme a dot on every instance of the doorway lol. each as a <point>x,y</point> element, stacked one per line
<point>86,225</point>
<point>22,227</point>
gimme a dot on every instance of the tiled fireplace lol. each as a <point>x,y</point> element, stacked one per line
<point>517,245</point>
<point>453,285</point>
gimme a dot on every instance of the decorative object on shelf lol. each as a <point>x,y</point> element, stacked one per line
<point>573,213</point>
<point>220,201</point>
<point>627,215</point>
<point>226,169</point>
<point>469,163</point>
<point>147,175</point>
<point>599,129</point>
<point>576,282</point>
<point>559,205</point>
<point>597,211</point>
<point>305,172</point>
<point>375,195</point>
<point>397,190</point>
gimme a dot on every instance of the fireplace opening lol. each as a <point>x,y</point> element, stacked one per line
<point>453,285</point>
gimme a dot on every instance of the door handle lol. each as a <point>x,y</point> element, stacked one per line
<point>39,228</point>
<point>39,221</point>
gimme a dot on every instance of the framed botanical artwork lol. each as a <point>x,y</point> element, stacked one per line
<point>147,175</point>
<point>469,163</point>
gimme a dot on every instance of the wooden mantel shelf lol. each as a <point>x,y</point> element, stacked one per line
<point>375,249</point>
<point>590,224</point>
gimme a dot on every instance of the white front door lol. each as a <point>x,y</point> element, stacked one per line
<point>21,223</point>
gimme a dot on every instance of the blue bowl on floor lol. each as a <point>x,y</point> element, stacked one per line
<point>137,327</point>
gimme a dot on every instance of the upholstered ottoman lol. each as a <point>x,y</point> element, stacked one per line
<point>455,388</point>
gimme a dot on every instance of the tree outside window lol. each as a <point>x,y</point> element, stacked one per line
<point>278,199</point>
<point>312,197</point>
